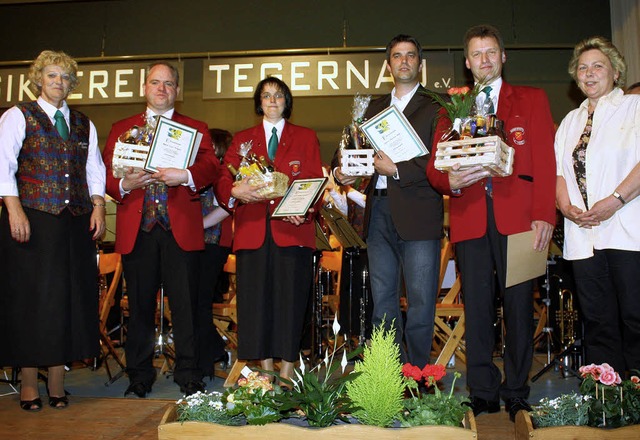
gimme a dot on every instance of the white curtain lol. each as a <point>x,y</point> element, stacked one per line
<point>625,33</point>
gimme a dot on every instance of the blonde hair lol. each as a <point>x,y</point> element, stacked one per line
<point>47,58</point>
<point>606,47</point>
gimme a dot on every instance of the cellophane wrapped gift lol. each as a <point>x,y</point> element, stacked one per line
<point>260,171</point>
<point>132,148</point>
<point>355,159</point>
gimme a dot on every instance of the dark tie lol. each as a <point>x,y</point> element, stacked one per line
<point>488,102</point>
<point>273,143</point>
<point>61,125</point>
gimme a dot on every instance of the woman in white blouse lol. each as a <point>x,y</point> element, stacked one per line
<point>598,180</point>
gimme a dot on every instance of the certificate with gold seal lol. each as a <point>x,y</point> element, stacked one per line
<point>391,132</point>
<point>174,145</point>
<point>300,196</point>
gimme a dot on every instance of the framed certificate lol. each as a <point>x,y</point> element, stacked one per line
<point>174,145</point>
<point>391,132</point>
<point>300,196</point>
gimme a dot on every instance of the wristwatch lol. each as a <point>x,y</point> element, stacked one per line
<point>617,195</point>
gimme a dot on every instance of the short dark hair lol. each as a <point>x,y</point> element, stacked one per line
<point>482,31</point>
<point>633,86</point>
<point>403,38</point>
<point>221,141</point>
<point>282,87</point>
<point>174,70</point>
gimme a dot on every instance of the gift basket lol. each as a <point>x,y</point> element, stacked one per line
<point>259,171</point>
<point>132,148</point>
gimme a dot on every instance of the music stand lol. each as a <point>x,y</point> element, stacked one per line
<point>351,244</point>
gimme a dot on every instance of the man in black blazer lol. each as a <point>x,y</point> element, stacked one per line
<point>404,214</point>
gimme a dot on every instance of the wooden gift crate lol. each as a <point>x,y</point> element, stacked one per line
<point>490,152</point>
<point>128,155</point>
<point>357,162</point>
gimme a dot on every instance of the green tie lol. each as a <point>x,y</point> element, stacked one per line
<point>61,125</point>
<point>488,101</point>
<point>273,143</point>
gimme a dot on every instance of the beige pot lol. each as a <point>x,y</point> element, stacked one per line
<point>526,431</point>
<point>169,429</point>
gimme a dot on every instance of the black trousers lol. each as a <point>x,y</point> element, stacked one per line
<point>210,344</point>
<point>608,288</point>
<point>481,262</point>
<point>157,260</point>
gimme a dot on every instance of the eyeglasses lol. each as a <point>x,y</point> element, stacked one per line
<point>267,96</point>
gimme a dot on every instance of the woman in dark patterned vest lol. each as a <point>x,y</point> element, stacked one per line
<point>52,182</point>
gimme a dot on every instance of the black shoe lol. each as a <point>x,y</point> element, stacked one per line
<point>34,405</point>
<point>139,389</point>
<point>480,406</point>
<point>515,404</point>
<point>192,387</point>
<point>58,402</point>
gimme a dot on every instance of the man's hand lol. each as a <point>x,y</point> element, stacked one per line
<point>136,178</point>
<point>543,234</point>
<point>459,179</point>
<point>343,178</point>
<point>171,176</point>
<point>383,164</point>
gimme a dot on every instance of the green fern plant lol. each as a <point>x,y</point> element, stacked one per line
<point>379,389</point>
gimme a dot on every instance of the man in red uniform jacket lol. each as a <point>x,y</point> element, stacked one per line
<point>484,211</point>
<point>158,228</point>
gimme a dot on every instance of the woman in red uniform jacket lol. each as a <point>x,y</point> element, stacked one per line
<point>274,256</point>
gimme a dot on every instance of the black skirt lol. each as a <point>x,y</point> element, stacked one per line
<point>48,291</point>
<point>273,288</point>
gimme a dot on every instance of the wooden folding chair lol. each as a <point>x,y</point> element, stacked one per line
<point>448,332</point>
<point>108,264</point>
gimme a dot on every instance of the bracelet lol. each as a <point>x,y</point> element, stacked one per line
<point>617,195</point>
<point>99,204</point>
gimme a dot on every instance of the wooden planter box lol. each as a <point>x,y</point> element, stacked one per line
<point>526,431</point>
<point>169,429</point>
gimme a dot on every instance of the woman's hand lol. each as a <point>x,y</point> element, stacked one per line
<point>18,221</point>
<point>602,210</point>
<point>246,192</point>
<point>299,220</point>
<point>579,217</point>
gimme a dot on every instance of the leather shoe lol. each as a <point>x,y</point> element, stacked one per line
<point>480,406</point>
<point>192,387</point>
<point>515,404</point>
<point>139,389</point>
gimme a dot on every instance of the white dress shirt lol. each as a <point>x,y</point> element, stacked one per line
<point>401,104</point>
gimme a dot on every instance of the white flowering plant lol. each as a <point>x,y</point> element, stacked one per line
<point>567,409</point>
<point>319,394</point>
<point>206,407</point>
